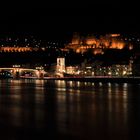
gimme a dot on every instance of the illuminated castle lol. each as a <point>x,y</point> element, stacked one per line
<point>97,45</point>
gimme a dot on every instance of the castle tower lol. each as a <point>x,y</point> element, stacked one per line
<point>75,39</point>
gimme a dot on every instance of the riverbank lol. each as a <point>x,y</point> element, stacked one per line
<point>88,79</point>
<point>99,79</point>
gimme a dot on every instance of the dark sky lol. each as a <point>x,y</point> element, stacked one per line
<point>60,19</point>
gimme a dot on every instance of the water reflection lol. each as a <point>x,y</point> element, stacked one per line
<point>70,108</point>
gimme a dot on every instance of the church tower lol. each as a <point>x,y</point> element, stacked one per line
<point>60,65</point>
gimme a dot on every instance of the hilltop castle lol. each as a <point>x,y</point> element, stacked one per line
<point>81,44</point>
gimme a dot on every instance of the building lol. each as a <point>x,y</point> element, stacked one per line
<point>81,44</point>
<point>60,67</point>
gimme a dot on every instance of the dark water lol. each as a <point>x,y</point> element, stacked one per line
<point>37,109</point>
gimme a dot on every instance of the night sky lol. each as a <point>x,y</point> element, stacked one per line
<point>58,20</point>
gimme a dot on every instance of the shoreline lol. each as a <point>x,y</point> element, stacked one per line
<point>101,79</point>
<point>95,79</point>
<point>86,79</point>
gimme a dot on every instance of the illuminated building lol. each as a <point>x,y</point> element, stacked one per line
<point>21,49</point>
<point>98,68</point>
<point>60,67</point>
<point>22,44</point>
<point>71,70</point>
<point>81,44</point>
<point>15,49</point>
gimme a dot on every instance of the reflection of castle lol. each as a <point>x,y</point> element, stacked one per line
<point>97,45</point>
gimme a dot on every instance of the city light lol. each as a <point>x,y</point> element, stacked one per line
<point>81,47</point>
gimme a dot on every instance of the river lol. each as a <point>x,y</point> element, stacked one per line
<point>38,109</point>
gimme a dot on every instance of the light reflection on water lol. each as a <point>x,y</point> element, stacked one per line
<point>72,108</point>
